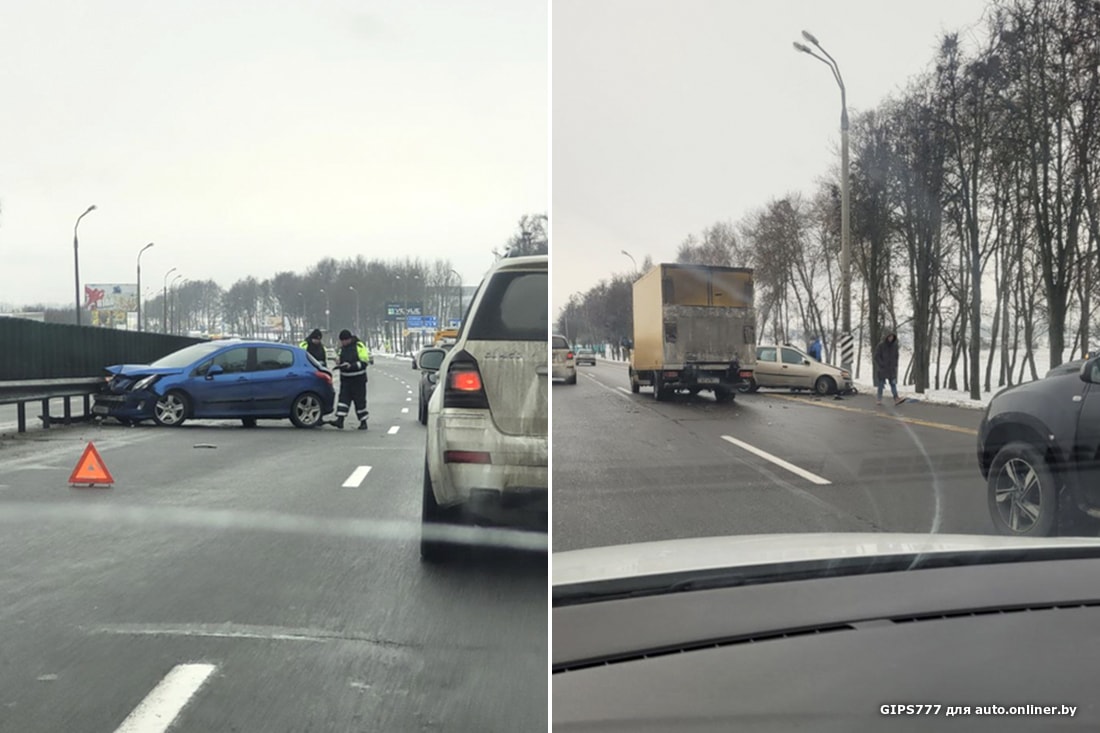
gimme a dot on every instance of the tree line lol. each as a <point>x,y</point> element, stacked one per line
<point>353,291</point>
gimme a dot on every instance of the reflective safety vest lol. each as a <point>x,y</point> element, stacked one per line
<point>362,355</point>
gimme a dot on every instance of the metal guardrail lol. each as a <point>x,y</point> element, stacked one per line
<point>22,391</point>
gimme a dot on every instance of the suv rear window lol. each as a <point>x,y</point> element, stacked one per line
<point>560,342</point>
<point>513,308</point>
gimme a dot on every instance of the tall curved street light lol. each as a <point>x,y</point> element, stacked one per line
<point>632,260</point>
<point>139,283</point>
<point>76,259</point>
<point>845,235</point>
<point>164,299</point>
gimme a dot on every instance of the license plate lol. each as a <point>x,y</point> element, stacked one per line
<point>100,409</point>
<point>708,380</point>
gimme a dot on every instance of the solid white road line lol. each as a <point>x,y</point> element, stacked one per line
<point>356,477</point>
<point>159,709</point>
<point>811,477</point>
<point>394,429</point>
<point>624,390</point>
<point>404,410</point>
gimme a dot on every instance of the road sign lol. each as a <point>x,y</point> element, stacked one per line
<point>454,323</point>
<point>425,322</point>
<point>90,469</point>
<point>847,349</point>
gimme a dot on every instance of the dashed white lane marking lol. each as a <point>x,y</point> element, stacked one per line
<point>356,477</point>
<point>811,477</point>
<point>159,709</point>
<point>615,391</point>
<point>394,430</point>
<point>403,411</point>
<point>408,399</point>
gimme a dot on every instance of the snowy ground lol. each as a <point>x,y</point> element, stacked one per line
<point>940,396</point>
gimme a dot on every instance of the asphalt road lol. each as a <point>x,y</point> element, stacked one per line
<point>629,469</point>
<point>239,579</point>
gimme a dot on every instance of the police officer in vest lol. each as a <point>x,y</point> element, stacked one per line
<point>352,364</point>
<point>316,349</point>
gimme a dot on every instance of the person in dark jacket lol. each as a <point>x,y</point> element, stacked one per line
<point>886,367</point>
<point>316,349</point>
<point>352,365</point>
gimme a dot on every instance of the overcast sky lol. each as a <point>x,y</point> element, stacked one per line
<point>669,117</point>
<point>254,136</point>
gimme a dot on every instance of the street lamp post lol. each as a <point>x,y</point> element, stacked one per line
<point>328,319</point>
<point>303,297</point>
<point>358,330</point>
<point>458,292</point>
<point>164,318</point>
<point>174,314</point>
<point>139,283</point>
<point>76,259</point>
<point>845,234</point>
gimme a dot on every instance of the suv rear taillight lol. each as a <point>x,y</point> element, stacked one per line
<point>324,375</point>
<point>464,387</point>
<point>570,355</point>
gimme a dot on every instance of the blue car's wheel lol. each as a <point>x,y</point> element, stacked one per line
<point>171,409</point>
<point>307,411</point>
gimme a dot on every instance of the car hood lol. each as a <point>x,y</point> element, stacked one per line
<point>141,370</point>
<point>714,553</point>
<point>1038,385</point>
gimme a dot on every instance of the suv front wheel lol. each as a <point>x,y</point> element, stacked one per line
<point>1022,492</point>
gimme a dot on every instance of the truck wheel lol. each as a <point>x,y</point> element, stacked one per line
<point>634,386</point>
<point>660,391</point>
<point>723,396</point>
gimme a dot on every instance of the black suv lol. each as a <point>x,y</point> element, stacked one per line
<point>1039,450</point>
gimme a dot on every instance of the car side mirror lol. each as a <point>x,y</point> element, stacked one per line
<point>805,362</point>
<point>214,371</point>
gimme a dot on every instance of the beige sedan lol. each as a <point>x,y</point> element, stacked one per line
<point>786,367</point>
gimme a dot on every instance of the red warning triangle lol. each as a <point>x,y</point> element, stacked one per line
<point>90,469</point>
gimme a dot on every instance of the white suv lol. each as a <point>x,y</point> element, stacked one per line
<point>487,419</point>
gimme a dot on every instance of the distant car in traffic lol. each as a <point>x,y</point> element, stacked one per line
<point>586,356</point>
<point>487,454</point>
<point>565,362</point>
<point>787,367</point>
<point>428,362</point>
<point>220,380</point>
<point>1039,451</point>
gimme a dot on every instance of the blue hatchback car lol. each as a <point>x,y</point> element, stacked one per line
<point>221,380</point>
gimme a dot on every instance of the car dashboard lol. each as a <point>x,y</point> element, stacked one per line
<point>977,643</point>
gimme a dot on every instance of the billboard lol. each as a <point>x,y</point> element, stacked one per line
<point>396,311</point>
<point>110,303</point>
<point>111,297</point>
